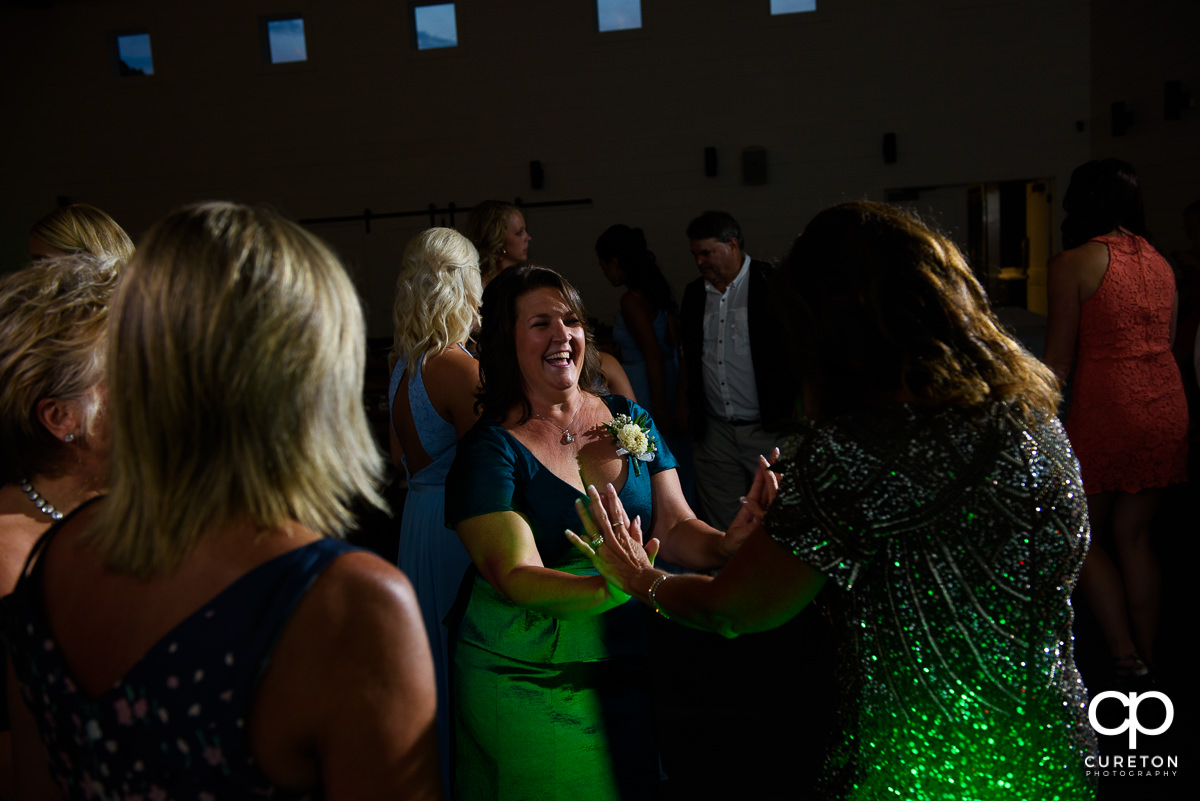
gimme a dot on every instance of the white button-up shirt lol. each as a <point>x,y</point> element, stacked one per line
<point>729,389</point>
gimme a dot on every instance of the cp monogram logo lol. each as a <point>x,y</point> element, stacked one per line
<point>1131,722</point>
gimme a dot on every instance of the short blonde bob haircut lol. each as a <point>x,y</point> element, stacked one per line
<point>53,332</point>
<point>438,292</point>
<point>485,227</point>
<point>81,228</point>
<point>235,366</point>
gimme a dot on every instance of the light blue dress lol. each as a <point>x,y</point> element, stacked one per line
<point>431,555</point>
<point>634,361</point>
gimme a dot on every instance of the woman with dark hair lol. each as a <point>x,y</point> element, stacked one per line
<point>936,493</point>
<point>549,686</point>
<point>1112,313</point>
<point>645,328</point>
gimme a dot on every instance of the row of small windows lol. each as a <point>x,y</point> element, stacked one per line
<point>624,15</point>
<point>434,27</point>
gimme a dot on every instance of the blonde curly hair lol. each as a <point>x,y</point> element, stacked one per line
<point>438,292</point>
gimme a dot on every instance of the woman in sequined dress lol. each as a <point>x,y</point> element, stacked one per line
<point>936,493</point>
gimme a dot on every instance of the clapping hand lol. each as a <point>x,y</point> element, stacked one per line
<point>613,542</point>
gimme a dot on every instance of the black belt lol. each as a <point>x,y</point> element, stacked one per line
<point>736,422</point>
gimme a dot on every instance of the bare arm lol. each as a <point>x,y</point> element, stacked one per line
<point>692,543</point>
<point>502,547</point>
<point>1062,321</point>
<point>762,587</point>
<point>639,315</point>
<point>1073,276</point>
<point>614,376</point>
<point>349,700</point>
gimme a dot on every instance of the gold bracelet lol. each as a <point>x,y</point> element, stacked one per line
<point>653,593</point>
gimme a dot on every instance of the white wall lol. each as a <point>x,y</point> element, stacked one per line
<point>975,90</point>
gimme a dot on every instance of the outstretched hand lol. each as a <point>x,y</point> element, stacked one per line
<point>612,541</point>
<point>754,506</point>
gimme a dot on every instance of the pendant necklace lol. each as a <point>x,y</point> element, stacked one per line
<point>567,439</point>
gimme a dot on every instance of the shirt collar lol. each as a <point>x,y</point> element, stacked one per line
<point>737,281</point>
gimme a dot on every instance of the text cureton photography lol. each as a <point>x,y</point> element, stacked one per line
<point>1132,764</point>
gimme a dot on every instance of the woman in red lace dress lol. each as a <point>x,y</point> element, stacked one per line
<point>1112,311</point>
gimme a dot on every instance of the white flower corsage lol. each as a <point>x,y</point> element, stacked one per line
<point>632,436</point>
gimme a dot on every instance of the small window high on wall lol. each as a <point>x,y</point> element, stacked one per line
<point>283,39</point>
<point>131,54</point>
<point>434,25</point>
<point>619,15</point>
<point>792,6</point>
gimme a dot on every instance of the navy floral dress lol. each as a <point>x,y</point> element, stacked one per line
<point>174,727</point>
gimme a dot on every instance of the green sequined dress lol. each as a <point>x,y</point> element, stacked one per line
<point>957,541</point>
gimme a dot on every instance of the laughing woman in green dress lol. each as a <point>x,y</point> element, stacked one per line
<point>551,696</point>
<point>935,501</point>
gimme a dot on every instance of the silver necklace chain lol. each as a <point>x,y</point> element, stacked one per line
<point>41,503</point>
<point>567,439</point>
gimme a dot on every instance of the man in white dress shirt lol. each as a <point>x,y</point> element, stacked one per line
<point>736,377</point>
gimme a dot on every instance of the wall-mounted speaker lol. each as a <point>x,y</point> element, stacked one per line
<point>537,176</point>
<point>889,148</point>
<point>710,162</point>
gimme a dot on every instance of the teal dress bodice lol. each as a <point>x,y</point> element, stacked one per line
<point>544,708</point>
<point>494,472</point>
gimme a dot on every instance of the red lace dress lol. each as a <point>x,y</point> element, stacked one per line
<point>1128,416</point>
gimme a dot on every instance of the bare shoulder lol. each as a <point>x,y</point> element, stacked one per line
<point>18,534</point>
<point>634,302</point>
<point>362,586</point>
<point>452,359</point>
<point>356,650</point>
<point>1079,271</point>
<point>452,369</point>
<point>1087,258</point>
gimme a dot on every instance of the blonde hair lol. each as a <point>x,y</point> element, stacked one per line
<point>486,226</point>
<point>438,292</point>
<point>52,336</point>
<point>235,376</point>
<point>81,228</point>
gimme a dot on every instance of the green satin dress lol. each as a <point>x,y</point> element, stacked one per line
<point>546,708</point>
